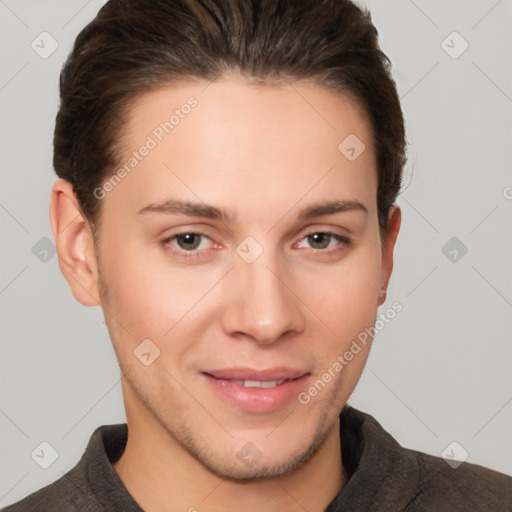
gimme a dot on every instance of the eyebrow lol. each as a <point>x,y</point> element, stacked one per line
<point>172,206</point>
<point>203,210</point>
<point>331,207</point>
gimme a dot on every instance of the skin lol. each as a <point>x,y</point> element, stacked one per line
<point>264,153</point>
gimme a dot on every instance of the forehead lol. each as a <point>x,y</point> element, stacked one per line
<point>232,139</point>
<point>294,107</point>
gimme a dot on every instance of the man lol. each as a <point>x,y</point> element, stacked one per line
<point>228,175</point>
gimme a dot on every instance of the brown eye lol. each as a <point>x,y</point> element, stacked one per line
<point>319,240</point>
<point>325,242</point>
<point>188,241</point>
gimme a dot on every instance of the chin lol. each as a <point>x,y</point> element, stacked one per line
<point>261,460</point>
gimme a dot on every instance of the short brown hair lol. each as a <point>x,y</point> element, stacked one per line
<point>133,46</point>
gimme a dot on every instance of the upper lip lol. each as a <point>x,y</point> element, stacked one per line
<point>266,374</point>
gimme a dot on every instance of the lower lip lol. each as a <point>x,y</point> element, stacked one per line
<point>258,399</point>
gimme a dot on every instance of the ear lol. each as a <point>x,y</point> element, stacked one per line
<point>394,221</point>
<point>75,244</point>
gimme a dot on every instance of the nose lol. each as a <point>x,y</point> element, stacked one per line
<point>262,304</point>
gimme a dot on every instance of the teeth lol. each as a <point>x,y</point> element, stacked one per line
<point>258,383</point>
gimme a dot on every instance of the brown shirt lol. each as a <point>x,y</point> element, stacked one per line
<point>384,477</point>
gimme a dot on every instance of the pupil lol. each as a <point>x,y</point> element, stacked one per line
<point>320,238</point>
<point>191,240</point>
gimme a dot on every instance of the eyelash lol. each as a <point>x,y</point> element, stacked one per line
<point>345,242</point>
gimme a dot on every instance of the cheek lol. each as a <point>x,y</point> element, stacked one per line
<point>346,296</point>
<point>152,299</point>
<point>138,293</point>
<point>346,302</point>
<point>348,307</point>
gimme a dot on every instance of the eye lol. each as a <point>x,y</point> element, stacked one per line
<point>187,242</point>
<point>325,241</point>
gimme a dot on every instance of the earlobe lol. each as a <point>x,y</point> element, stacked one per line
<point>394,222</point>
<point>75,244</point>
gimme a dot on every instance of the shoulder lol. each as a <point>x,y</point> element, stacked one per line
<point>387,474</point>
<point>65,495</point>
<point>82,487</point>
<point>441,486</point>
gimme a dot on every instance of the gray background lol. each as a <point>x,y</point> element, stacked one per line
<point>438,373</point>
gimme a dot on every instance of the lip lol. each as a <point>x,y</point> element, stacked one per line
<point>262,400</point>
<point>244,373</point>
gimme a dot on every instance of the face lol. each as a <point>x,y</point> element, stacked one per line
<point>243,246</point>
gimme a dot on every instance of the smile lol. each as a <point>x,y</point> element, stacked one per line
<point>258,384</point>
<point>261,391</point>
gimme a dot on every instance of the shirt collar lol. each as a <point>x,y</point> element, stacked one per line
<point>379,469</point>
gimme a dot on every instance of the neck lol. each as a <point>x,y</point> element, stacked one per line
<point>161,476</point>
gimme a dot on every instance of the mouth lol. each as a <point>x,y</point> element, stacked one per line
<point>258,383</point>
<point>254,390</point>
